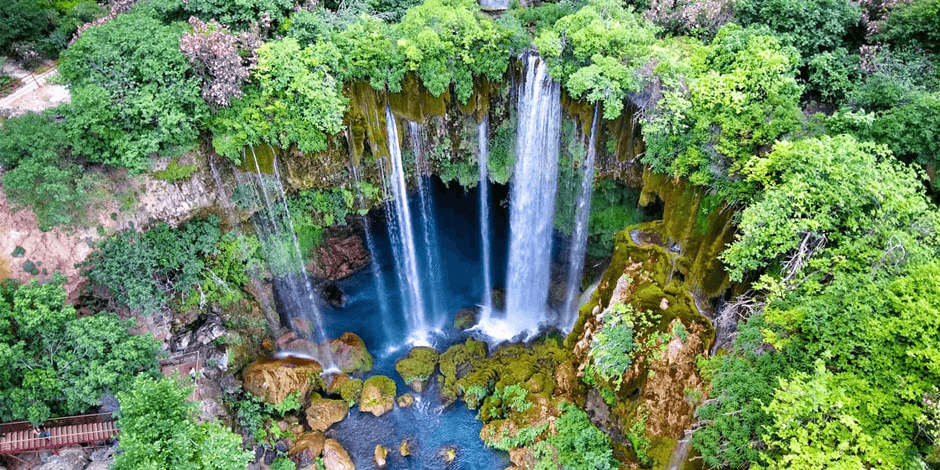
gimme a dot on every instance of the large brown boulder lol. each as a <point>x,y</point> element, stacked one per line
<point>323,413</point>
<point>308,447</point>
<point>274,380</point>
<point>378,395</point>
<point>335,456</point>
<point>350,354</point>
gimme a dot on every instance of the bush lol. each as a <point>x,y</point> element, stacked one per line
<point>133,91</point>
<point>53,363</point>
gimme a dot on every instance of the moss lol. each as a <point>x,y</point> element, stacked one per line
<point>418,366</point>
<point>350,391</point>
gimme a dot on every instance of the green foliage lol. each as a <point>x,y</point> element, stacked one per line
<point>811,26</point>
<point>577,443</point>
<point>175,172</point>
<point>368,50</point>
<point>39,175</point>
<point>739,95</point>
<point>613,207</point>
<point>25,21</point>
<point>133,93</point>
<point>504,402</point>
<point>448,42</point>
<point>612,346</point>
<point>914,24</point>
<point>53,363</point>
<point>832,74</point>
<point>312,211</point>
<point>294,99</point>
<point>141,271</point>
<point>238,15</point>
<point>524,437</point>
<point>159,430</point>
<point>638,439</point>
<point>596,53</point>
<point>843,192</point>
<point>283,463</point>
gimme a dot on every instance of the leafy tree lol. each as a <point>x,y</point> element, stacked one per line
<point>596,53</point>
<point>811,26</point>
<point>449,42</point>
<point>216,54</point>
<point>719,106</point>
<point>142,271</point>
<point>240,15</point>
<point>133,91</point>
<point>53,363</point>
<point>577,444</point>
<point>840,202</point>
<point>294,100</point>
<point>37,174</point>
<point>368,50</point>
<point>159,431</point>
<point>914,24</point>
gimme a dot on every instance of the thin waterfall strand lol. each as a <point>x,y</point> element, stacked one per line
<point>578,245</point>
<point>432,265</point>
<point>414,301</point>
<point>483,156</point>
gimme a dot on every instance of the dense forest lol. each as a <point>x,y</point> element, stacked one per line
<point>810,125</point>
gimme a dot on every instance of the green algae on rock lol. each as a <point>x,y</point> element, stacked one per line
<point>418,367</point>
<point>378,395</point>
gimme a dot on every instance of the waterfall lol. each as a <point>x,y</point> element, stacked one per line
<point>275,231</point>
<point>432,265</point>
<point>374,267</point>
<point>579,235</point>
<point>482,154</point>
<point>403,241</point>
<point>532,198</point>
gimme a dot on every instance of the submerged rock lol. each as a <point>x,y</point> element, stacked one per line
<point>381,456</point>
<point>335,456</point>
<point>323,413</point>
<point>466,318</point>
<point>378,395</point>
<point>418,367</point>
<point>407,400</point>
<point>274,380</point>
<point>350,354</point>
<point>450,454</point>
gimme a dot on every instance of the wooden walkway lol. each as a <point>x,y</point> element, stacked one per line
<point>19,437</point>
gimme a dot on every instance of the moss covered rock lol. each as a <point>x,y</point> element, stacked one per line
<point>274,380</point>
<point>417,368</point>
<point>406,400</point>
<point>378,395</point>
<point>350,354</point>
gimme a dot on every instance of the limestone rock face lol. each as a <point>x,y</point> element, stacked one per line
<point>381,456</point>
<point>378,395</point>
<point>418,367</point>
<point>339,257</point>
<point>350,354</point>
<point>323,413</point>
<point>274,380</point>
<point>335,456</point>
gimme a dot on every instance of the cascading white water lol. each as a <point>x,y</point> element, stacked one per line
<point>406,254</point>
<point>578,245</point>
<point>374,267</point>
<point>431,265</point>
<point>275,231</point>
<point>482,155</point>
<point>532,203</point>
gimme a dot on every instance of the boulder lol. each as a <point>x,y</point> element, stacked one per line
<point>274,380</point>
<point>335,456</point>
<point>381,456</point>
<point>494,5</point>
<point>348,388</point>
<point>406,400</point>
<point>68,458</point>
<point>308,447</point>
<point>466,318</point>
<point>350,354</point>
<point>418,367</point>
<point>450,455</point>
<point>323,413</point>
<point>404,448</point>
<point>378,395</point>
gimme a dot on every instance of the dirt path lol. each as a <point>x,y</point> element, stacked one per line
<point>35,95</point>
